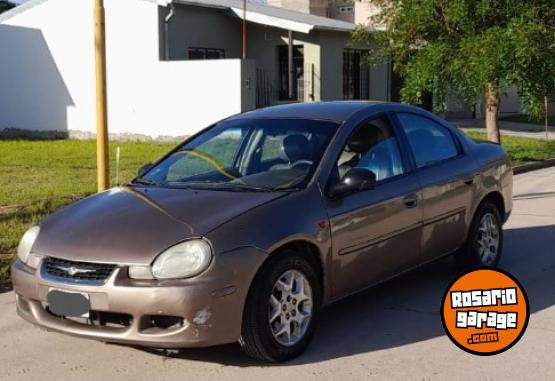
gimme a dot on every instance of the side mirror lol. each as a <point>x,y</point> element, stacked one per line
<point>356,180</point>
<point>144,169</point>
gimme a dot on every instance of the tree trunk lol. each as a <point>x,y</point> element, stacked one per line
<point>492,114</point>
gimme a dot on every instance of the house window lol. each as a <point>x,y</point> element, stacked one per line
<point>206,54</point>
<point>345,9</point>
<point>356,74</point>
<point>298,73</point>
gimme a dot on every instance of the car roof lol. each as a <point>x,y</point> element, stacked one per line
<point>335,111</point>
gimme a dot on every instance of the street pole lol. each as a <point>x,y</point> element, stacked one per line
<point>545,105</point>
<point>244,29</point>
<point>103,170</point>
<point>290,63</point>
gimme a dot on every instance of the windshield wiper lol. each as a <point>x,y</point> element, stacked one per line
<point>287,189</point>
<point>249,187</point>
<point>220,186</point>
<point>147,182</point>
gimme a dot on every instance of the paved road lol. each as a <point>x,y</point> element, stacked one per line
<point>392,332</point>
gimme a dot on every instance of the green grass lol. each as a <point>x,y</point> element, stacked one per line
<point>523,150</point>
<point>527,119</point>
<point>39,177</point>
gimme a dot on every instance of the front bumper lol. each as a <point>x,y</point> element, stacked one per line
<point>209,308</point>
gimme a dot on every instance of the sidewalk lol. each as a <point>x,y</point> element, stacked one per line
<point>534,131</point>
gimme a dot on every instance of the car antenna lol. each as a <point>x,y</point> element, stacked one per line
<point>117,165</point>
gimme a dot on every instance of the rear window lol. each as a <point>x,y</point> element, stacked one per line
<point>430,142</point>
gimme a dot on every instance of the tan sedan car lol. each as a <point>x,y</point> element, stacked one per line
<point>247,229</point>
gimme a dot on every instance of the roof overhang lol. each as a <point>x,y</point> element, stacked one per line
<point>259,18</point>
<point>270,16</point>
<point>163,3</point>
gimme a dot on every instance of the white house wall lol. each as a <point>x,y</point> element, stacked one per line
<point>44,67</point>
<point>47,74</point>
<point>509,104</point>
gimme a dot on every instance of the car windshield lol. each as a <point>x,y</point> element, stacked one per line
<point>247,154</point>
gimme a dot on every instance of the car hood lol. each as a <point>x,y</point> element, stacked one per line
<point>133,225</point>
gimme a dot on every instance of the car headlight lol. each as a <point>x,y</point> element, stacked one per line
<point>26,243</point>
<point>183,260</point>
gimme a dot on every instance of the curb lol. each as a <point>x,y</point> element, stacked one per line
<point>520,169</point>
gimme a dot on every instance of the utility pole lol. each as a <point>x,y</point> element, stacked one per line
<point>244,29</point>
<point>290,69</point>
<point>103,170</point>
<point>545,105</point>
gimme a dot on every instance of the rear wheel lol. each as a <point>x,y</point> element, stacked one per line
<point>281,309</point>
<point>484,244</point>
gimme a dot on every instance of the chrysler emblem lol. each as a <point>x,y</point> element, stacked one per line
<point>74,270</point>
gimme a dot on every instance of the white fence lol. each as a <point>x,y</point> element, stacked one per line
<point>178,98</point>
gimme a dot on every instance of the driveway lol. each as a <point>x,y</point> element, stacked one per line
<point>391,332</point>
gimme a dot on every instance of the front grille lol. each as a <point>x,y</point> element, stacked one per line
<point>77,272</point>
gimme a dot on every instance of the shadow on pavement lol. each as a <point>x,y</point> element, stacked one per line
<point>406,310</point>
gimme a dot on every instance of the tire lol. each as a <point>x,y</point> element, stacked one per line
<point>258,337</point>
<point>472,253</point>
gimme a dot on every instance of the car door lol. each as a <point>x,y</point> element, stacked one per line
<point>375,233</point>
<point>447,183</point>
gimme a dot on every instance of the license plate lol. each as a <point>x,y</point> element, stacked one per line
<point>67,303</point>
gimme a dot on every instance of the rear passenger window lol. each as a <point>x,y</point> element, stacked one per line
<point>430,142</point>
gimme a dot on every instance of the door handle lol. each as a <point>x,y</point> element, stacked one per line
<point>411,200</point>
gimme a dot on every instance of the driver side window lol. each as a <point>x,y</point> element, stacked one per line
<point>373,146</point>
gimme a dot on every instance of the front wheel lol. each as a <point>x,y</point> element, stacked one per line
<point>484,244</point>
<point>281,309</point>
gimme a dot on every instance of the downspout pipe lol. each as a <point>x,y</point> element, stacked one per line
<point>290,69</point>
<point>167,19</point>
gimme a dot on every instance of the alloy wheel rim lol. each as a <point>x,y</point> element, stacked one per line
<point>290,308</point>
<point>488,239</point>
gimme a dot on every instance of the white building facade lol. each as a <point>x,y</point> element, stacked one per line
<point>173,67</point>
<point>47,74</point>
